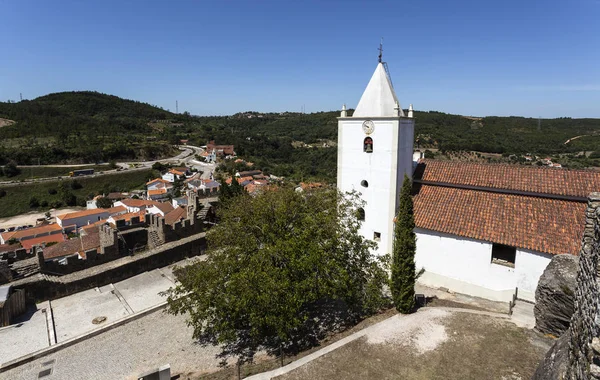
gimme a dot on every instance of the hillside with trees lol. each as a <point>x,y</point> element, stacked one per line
<point>89,127</point>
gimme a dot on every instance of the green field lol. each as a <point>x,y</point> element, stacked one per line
<point>17,198</point>
<point>45,172</point>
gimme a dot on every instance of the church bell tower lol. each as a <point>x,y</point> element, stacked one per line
<point>375,150</point>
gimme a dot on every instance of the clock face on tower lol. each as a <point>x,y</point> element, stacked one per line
<point>368,127</point>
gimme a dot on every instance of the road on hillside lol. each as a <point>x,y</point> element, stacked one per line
<point>186,157</point>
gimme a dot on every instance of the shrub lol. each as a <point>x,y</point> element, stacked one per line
<point>34,202</point>
<point>52,191</point>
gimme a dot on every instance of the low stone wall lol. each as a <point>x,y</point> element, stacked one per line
<point>44,287</point>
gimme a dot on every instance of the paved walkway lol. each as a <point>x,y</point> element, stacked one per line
<point>124,352</point>
<point>65,318</point>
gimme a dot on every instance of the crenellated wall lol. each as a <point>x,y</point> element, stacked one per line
<point>584,339</point>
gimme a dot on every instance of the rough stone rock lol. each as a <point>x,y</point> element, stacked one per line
<point>554,364</point>
<point>555,295</point>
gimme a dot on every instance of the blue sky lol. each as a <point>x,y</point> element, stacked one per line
<point>529,57</point>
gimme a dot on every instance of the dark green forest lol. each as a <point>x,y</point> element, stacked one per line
<point>90,127</point>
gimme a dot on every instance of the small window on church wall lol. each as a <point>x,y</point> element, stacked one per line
<point>364,183</point>
<point>504,255</point>
<point>377,236</point>
<point>368,145</point>
<point>360,214</point>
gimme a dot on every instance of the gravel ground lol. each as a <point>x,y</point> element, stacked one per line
<point>124,352</point>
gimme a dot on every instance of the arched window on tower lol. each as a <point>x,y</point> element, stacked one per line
<point>368,145</point>
<point>360,214</point>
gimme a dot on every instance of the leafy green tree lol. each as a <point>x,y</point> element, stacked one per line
<point>34,202</point>
<point>104,202</point>
<point>66,195</point>
<point>282,269</point>
<point>11,169</point>
<point>403,274</point>
<point>2,193</point>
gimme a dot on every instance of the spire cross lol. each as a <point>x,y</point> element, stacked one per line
<point>380,49</point>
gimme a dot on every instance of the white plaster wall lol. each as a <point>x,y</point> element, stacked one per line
<point>529,266</point>
<point>464,265</point>
<point>83,220</point>
<point>379,169</point>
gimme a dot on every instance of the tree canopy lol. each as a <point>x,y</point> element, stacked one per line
<point>282,269</point>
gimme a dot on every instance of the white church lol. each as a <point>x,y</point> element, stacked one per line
<point>482,229</point>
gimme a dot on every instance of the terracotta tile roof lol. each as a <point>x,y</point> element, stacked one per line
<point>578,183</point>
<point>116,210</point>
<point>137,202</point>
<point>93,228</point>
<point>9,247</point>
<point>127,217</point>
<point>70,247</point>
<point>165,207</point>
<point>539,224</point>
<point>116,196</point>
<point>79,214</point>
<point>176,172</point>
<point>176,215</point>
<point>29,243</point>
<point>31,232</point>
<point>157,180</point>
<point>157,192</point>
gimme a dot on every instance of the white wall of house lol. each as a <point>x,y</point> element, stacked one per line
<point>169,177</point>
<point>90,205</point>
<point>129,208</point>
<point>464,265</point>
<point>82,220</point>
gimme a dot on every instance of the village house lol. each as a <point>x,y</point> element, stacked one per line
<point>31,233</point>
<point>487,230</point>
<point>74,220</point>
<point>220,150</point>
<point>73,248</point>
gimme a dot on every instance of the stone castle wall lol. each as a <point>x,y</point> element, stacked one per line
<point>584,338</point>
<point>44,287</point>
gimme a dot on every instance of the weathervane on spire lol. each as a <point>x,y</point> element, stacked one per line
<point>380,49</point>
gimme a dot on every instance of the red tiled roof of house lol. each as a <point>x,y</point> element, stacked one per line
<point>577,183</point>
<point>116,210</point>
<point>137,202</point>
<point>127,217</point>
<point>165,207</point>
<point>176,215</point>
<point>157,180</point>
<point>93,228</point>
<point>539,224</point>
<point>9,247</point>
<point>55,238</point>
<point>78,214</point>
<point>177,172</point>
<point>28,232</point>
<point>157,191</point>
<point>70,247</point>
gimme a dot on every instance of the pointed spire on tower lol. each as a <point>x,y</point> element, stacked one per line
<point>343,113</point>
<point>410,111</point>
<point>379,98</point>
<point>397,109</point>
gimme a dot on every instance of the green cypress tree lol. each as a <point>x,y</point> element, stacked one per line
<point>403,253</point>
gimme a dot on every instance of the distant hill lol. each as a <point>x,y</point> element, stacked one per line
<point>81,126</point>
<point>66,112</point>
<point>84,126</point>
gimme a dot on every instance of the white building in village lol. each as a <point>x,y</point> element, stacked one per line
<point>482,229</point>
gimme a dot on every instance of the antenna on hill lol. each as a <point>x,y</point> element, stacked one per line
<point>176,107</point>
<point>21,95</point>
<point>385,65</point>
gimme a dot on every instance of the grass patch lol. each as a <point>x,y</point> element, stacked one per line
<point>17,198</point>
<point>46,172</point>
